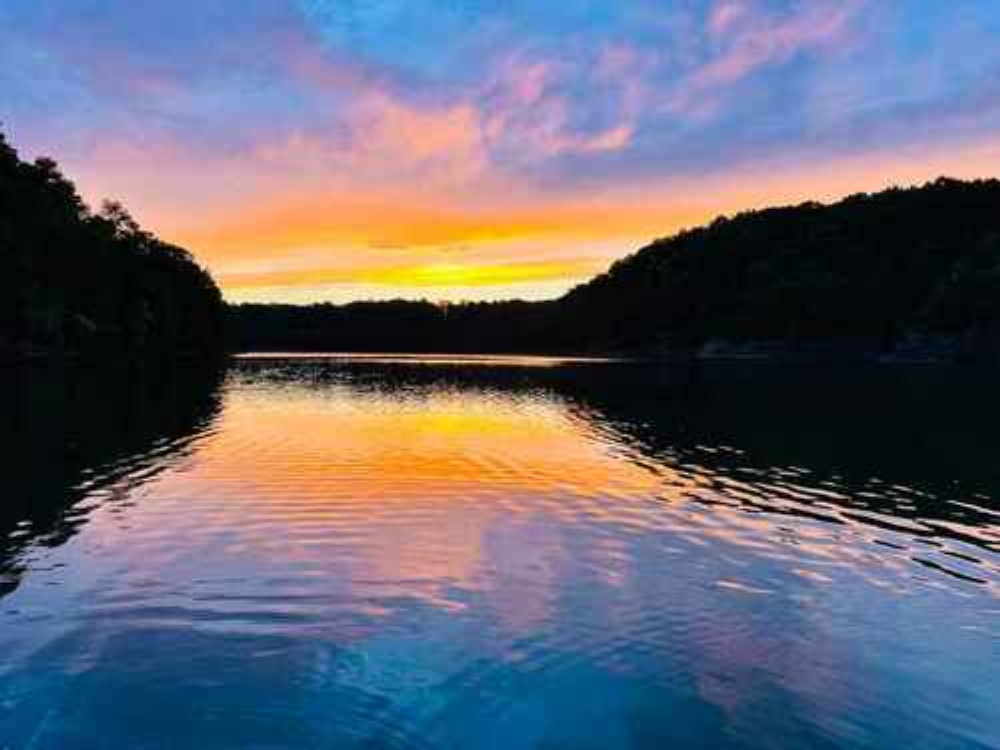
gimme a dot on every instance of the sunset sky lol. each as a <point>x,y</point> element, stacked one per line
<point>311,150</point>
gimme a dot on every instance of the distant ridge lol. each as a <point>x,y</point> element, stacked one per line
<point>905,273</point>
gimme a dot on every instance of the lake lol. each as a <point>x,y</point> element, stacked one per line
<point>448,552</point>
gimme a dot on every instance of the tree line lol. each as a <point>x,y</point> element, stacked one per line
<point>74,280</point>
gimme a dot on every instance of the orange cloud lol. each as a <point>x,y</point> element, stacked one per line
<point>458,274</point>
<point>407,220</point>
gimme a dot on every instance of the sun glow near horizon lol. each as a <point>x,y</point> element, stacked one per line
<point>541,256</point>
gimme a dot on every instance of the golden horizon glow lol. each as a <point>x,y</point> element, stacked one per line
<point>412,253</point>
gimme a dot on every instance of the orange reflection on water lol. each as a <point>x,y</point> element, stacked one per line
<point>427,487</point>
<point>345,445</point>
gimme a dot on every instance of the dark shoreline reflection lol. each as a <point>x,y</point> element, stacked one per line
<point>71,428</point>
<point>917,444</point>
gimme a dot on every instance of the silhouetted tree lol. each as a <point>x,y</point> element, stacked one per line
<point>75,282</point>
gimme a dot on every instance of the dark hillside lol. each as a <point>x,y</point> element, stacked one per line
<point>73,281</point>
<point>870,272</point>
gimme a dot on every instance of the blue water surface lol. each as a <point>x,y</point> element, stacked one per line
<point>399,552</point>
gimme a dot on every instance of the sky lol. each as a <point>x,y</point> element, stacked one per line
<point>333,150</point>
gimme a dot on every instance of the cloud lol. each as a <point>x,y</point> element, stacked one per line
<point>378,140</point>
<point>725,14</point>
<point>748,38</point>
<point>533,113</point>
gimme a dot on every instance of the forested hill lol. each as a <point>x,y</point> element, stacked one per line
<point>912,272</point>
<point>73,281</point>
<point>873,271</point>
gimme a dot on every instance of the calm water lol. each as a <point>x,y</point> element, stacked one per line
<point>442,553</point>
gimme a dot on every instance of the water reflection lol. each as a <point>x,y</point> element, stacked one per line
<point>72,431</point>
<point>394,553</point>
<point>908,450</point>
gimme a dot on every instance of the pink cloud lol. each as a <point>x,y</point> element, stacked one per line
<point>526,84</point>
<point>448,138</point>
<point>528,109</point>
<point>380,136</point>
<point>749,39</point>
<point>614,139</point>
<point>725,14</point>
<point>625,70</point>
